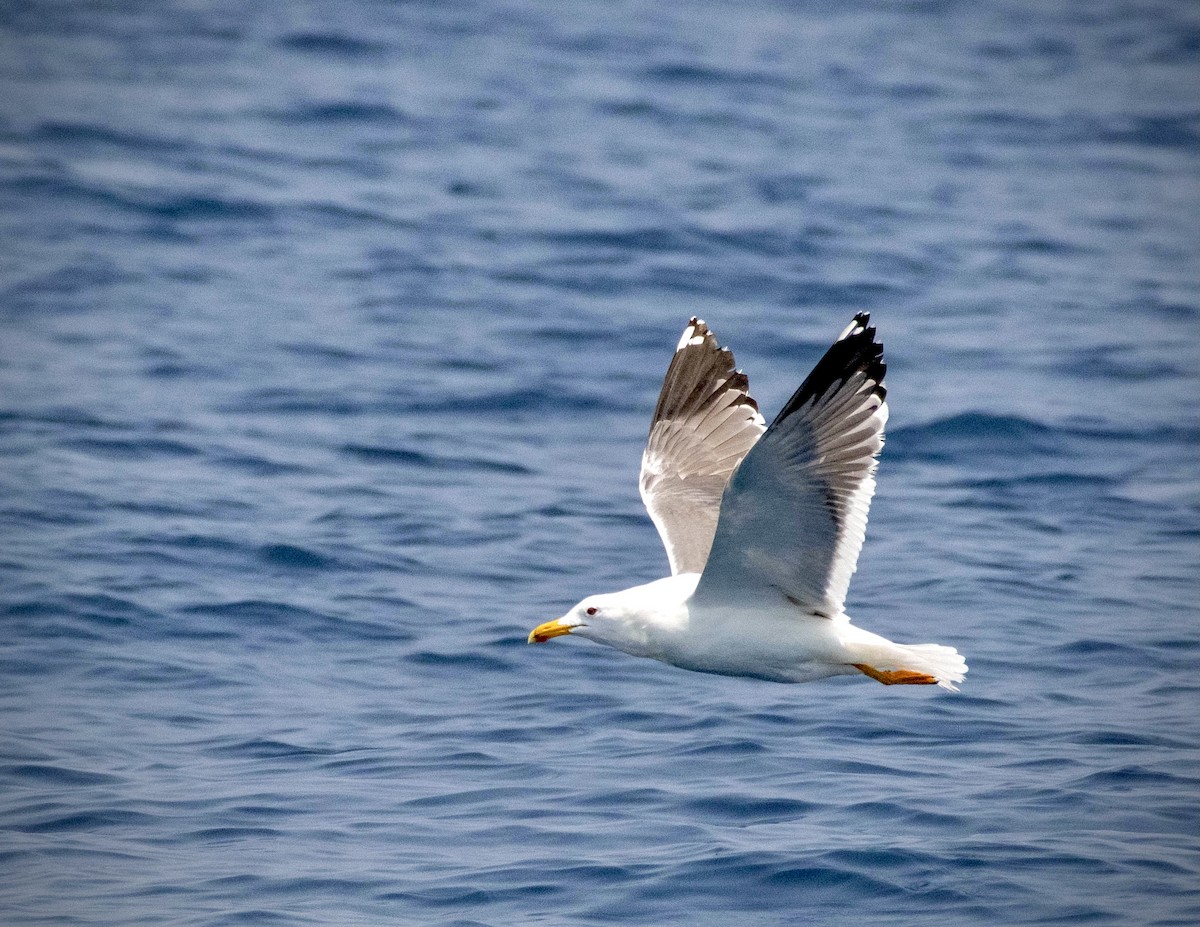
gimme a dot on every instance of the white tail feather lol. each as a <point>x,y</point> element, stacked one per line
<point>945,664</point>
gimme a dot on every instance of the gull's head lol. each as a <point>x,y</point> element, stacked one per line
<point>630,620</point>
<point>603,618</point>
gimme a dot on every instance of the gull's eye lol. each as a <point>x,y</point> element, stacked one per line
<point>592,610</point>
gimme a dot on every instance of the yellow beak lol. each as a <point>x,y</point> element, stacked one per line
<point>543,632</point>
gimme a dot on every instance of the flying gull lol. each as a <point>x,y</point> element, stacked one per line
<point>762,526</point>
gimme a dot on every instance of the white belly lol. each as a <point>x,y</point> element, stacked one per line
<point>763,644</point>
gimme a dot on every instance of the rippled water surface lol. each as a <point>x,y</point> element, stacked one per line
<point>329,336</point>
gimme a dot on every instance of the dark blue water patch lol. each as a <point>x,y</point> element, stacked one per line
<point>358,218</point>
<point>197,542</point>
<point>263,614</point>
<point>355,888</point>
<point>323,351</point>
<point>256,811</point>
<point>1159,130</point>
<point>635,108</point>
<point>640,241</point>
<point>420,459</point>
<point>261,748</point>
<point>461,897</point>
<point>51,774</point>
<point>471,363</point>
<point>1010,127</point>
<point>471,661</point>
<point>64,289</point>
<point>294,624</point>
<point>99,609</point>
<point>456,799</point>
<point>563,401</point>
<point>296,401</point>
<point>1127,777</point>
<point>1120,738</point>
<point>899,813</point>
<point>769,874</point>
<point>916,92</point>
<point>1026,243</point>
<point>175,673</point>
<point>331,44</point>
<point>24,519</point>
<point>1044,765</point>
<point>749,810</point>
<point>1118,364</point>
<point>202,208</point>
<point>231,834</point>
<point>391,767</point>
<point>134,447</point>
<point>1094,648</point>
<point>331,113</point>
<point>91,136</point>
<point>787,187</point>
<point>18,420</point>
<point>146,204</point>
<point>252,917</point>
<point>256,464</point>
<point>467,189</point>
<point>393,261</point>
<point>708,114</point>
<point>1158,304</point>
<point>732,80</point>
<point>864,295</point>
<point>1182,47</point>
<point>86,822</point>
<point>293,556</point>
<point>885,859</point>
<point>1091,484</point>
<point>858,767</point>
<point>1162,130</point>
<point>189,554</point>
<point>169,370</point>
<point>1036,47</point>
<point>761,242</point>
<point>187,506</point>
<point>573,276</point>
<point>185,720</point>
<point>975,434</point>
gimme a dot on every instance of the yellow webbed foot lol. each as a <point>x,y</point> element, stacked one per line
<point>896,677</point>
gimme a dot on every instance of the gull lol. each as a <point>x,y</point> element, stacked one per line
<point>762,526</point>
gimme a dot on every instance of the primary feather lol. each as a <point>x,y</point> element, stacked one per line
<point>703,425</point>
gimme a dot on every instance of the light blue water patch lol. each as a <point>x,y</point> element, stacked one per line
<point>328,345</point>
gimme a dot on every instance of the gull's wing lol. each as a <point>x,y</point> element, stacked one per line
<point>793,518</point>
<point>703,425</point>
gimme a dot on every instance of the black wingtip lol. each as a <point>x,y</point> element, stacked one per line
<point>856,351</point>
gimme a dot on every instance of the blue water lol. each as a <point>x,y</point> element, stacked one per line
<point>329,335</point>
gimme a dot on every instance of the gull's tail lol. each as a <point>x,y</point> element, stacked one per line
<point>945,664</point>
<point>905,664</point>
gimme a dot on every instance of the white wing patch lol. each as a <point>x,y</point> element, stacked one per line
<point>703,425</point>
<point>794,517</point>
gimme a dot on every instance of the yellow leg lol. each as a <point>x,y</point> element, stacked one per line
<point>896,677</point>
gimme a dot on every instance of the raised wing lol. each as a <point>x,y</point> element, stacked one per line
<point>703,425</point>
<point>793,518</point>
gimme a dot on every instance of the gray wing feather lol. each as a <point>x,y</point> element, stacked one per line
<point>703,425</point>
<point>793,519</point>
